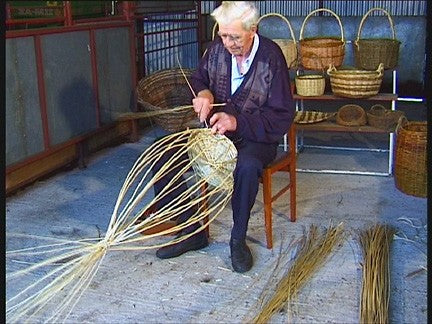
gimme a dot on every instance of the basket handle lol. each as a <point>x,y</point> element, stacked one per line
<point>366,15</point>
<point>401,123</point>
<point>327,10</point>
<point>284,19</point>
<point>380,69</point>
<point>377,108</point>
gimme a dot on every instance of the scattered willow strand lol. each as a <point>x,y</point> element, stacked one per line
<point>311,256</point>
<point>375,294</point>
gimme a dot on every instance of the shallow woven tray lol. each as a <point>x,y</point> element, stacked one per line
<point>311,117</point>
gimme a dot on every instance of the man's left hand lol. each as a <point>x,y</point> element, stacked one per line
<point>222,122</point>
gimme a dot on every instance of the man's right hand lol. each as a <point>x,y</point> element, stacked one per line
<point>202,104</point>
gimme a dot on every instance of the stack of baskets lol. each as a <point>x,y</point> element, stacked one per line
<point>167,89</point>
<point>410,158</point>
<point>370,52</point>
<point>355,83</point>
<point>288,46</point>
<point>321,52</point>
<point>380,117</point>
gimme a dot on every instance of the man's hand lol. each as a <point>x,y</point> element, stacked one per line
<point>222,122</point>
<point>202,104</point>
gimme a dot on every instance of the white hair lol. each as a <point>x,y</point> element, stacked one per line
<point>229,11</point>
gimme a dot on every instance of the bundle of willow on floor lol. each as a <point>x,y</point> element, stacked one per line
<point>69,266</point>
<point>311,255</point>
<point>375,294</point>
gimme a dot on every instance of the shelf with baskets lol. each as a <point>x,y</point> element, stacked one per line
<point>331,125</point>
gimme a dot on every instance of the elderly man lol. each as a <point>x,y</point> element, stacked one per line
<point>249,73</point>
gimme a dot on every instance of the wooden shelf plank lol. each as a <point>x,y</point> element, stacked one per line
<point>379,97</point>
<point>327,126</point>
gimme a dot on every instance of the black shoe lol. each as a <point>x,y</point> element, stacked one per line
<point>241,256</point>
<point>195,242</point>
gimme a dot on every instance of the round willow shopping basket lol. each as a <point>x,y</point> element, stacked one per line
<point>370,52</point>
<point>410,168</point>
<point>355,83</point>
<point>166,89</point>
<point>314,51</point>
<point>288,46</point>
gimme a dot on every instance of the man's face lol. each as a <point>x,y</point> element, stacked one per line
<point>235,39</point>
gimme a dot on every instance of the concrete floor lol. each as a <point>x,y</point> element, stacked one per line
<point>200,287</point>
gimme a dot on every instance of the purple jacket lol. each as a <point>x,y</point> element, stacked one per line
<point>263,104</point>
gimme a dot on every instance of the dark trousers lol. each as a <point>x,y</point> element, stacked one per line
<point>251,159</point>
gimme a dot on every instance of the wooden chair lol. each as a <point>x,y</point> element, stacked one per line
<point>285,162</point>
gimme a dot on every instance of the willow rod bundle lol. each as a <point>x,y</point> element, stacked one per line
<point>69,266</point>
<point>312,255</point>
<point>375,295</point>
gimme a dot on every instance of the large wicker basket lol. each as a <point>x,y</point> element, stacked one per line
<point>288,46</point>
<point>166,89</point>
<point>410,172</point>
<point>380,117</point>
<point>355,83</point>
<point>370,52</point>
<point>321,51</point>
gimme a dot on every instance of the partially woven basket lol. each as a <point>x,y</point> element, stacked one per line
<point>322,51</point>
<point>410,172</point>
<point>351,115</point>
<point>355,83</point>
<point>167,89</point>
<point>380,117</point>
<point>370,52</point>
<point>288,46</point>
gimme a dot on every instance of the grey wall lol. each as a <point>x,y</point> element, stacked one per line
<point>69,87</point>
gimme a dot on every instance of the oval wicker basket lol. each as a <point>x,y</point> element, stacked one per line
<point>310,85</point>
<point>410,172</point>
<point>288,46</point>
<point>351,115</point>
<point>383,118</point>
<point>166,89</point>
<point>355,83</point>
<point>370,52</point>
<point>320,51</point>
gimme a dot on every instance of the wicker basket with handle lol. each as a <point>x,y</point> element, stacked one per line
<point>167,89</point>
<point>288,46</point>
<point>370,52</point>
<point>383,118</point>
<point>355,83</point>
<point>314,51</point>
<point>410,171</point>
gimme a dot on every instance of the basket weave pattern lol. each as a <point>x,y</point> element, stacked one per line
<point>369,52</point>
<point>321,52</point>
<point>310,85</point>
<point>163,90</point>
<point>410,158</point>
<point>288,46</point>
<point>351,115</point>
<point>380,117</point>
<point>355,83</point>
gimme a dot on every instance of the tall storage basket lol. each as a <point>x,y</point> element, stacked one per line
<point>370,52</point>
<point>410,171</point>
<point>322,51</point>
<point>288,46</point>
<point>167,89</point>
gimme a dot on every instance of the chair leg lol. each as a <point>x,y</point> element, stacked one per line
<point>293,200</point>
<point>267,187</point>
